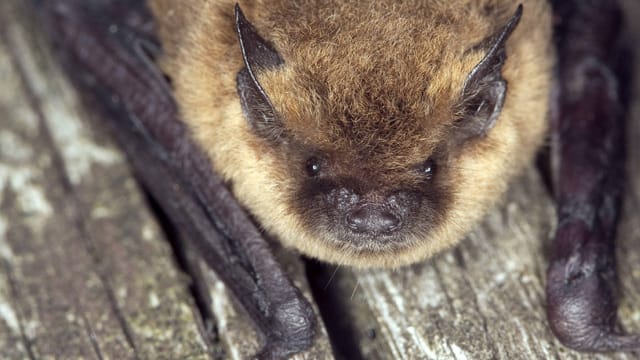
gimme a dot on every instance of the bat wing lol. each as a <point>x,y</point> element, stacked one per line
<point>588,163</point>
<point>107,48</point>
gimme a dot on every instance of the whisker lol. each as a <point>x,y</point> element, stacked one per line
<point>353,293</point>
<point>331,277</point>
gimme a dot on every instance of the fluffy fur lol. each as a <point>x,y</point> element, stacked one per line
<point>350,68</point>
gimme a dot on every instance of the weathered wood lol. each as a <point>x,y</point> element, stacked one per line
<point>85,271</point>
<point>485,298</point>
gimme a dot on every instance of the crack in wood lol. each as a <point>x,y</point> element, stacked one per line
<point>4,264</point>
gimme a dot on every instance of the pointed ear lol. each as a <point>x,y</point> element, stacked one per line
<point>485,88</point>
<point>258,56</point>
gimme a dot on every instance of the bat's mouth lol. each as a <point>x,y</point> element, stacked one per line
<point>374,243</point>
<point>378,231</point>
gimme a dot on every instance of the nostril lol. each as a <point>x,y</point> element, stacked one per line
<point>372,219</point>
<point>388,222</point>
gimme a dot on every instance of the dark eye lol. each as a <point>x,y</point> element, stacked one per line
<point>313,166</point>
<point>428,168</point>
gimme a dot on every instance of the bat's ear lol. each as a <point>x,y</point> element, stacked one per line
<point>485,88</point>
<point>258,56</point>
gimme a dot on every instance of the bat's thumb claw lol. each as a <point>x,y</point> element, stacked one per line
<point>292,329</point>
<point>581,306</point>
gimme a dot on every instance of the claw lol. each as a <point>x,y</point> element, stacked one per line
<point>581,295</point>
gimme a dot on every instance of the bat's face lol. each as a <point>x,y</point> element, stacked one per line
<point>371,168</point>
<point>375,155</point>
<point>371,190</point>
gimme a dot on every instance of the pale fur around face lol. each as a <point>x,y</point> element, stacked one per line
<point>361,61</point>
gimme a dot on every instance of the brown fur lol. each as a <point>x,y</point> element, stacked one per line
<point>376,85</point>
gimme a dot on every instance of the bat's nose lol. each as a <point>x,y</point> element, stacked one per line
<point>373,220</point>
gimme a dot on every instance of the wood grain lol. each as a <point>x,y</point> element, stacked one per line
<point>85,273</point>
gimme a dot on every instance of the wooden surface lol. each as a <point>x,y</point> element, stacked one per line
<point>87,273</point>
<point>84,274</point>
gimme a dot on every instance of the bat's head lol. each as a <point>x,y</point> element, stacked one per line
<point>376,143</point>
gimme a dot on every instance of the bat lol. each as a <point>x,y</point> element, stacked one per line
<point>364,133</point>
<point>364,166</point>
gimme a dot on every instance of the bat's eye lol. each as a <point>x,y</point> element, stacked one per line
<point>428,168</point>
<point>313,166</point>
